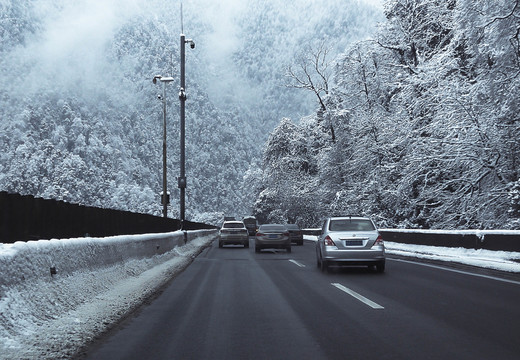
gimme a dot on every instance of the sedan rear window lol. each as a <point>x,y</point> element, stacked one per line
<point>233,225</point>
<point>351,225</point>
<point>272,228</point>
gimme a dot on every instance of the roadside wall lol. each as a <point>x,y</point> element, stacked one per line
<point>24,217</point>
<point>33,260</point>
<point>499,240</point>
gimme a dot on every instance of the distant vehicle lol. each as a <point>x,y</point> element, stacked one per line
<point>233,232</point>
<point>251,225</point>
<point>229,218</point>
<point>272,236</point>
<point>295,234</point>
<point>350,240</point>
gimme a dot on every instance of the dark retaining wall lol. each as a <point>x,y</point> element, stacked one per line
<point>24,217</point>
<point>468,239</point>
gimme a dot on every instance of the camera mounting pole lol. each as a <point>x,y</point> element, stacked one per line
<point>182,97</point>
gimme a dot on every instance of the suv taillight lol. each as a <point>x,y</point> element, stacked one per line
<point>328,241</point>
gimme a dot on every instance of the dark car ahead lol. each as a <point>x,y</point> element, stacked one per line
<point>295,234</point>
<point>272,236</point>
<point>251,225</point>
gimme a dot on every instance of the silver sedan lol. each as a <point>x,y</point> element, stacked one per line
<point>350,240</point>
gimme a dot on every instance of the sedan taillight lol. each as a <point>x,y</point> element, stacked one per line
<point>259,234</point>
<point>379,240</point>
<point>328,241</point>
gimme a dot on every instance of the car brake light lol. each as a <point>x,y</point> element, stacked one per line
<point>259,234</point>
<point>379,240</point>
<point>329,242</point>
<point>286,234</point>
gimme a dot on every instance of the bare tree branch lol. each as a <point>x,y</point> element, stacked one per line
<point>312,73</point>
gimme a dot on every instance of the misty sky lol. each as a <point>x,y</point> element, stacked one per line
<point>68,50</point>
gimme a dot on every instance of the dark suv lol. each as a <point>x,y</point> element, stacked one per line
<point>295,234</point>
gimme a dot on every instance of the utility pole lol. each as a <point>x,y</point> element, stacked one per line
<point>165,197</point>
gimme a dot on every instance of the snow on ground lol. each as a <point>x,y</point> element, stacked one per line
<point>497,260</point>
<point>52,317</point>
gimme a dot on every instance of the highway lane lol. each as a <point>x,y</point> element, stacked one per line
<point>233,303</point>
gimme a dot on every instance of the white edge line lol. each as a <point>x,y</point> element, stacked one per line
<point>361,298</point>
<point>457,271</point>
<point>296,262</point>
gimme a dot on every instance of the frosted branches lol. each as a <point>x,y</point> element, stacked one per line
<point>312,72</point>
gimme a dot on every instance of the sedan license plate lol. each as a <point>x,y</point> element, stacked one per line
<point>273,236</point>
<point>353,242</point>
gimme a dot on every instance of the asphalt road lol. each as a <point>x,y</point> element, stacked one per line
<point>232,303</point>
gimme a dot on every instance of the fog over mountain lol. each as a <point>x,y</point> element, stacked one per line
<point>79,115</point>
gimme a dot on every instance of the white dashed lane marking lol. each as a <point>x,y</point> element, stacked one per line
<point>360,297</point>
<point>296,263</point>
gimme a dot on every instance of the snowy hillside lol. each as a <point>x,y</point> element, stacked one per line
<point>418,126</point>
<point>79,115</point>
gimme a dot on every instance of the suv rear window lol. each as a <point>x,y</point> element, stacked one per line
<point>351,225</point>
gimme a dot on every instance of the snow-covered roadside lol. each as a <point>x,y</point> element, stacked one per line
<point>497,260</point>
<point>42,319</point>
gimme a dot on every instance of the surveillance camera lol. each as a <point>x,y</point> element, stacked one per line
<point>192,44</point>
<point>159,97</point>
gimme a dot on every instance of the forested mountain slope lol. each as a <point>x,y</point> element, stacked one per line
<point>79,115</point>
<point>419,128</point>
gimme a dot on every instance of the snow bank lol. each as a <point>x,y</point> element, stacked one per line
<point>497,260</point>
<point>97,281</point>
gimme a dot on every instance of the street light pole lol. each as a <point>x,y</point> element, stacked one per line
<point>165,198</point>
<point>182,96</point>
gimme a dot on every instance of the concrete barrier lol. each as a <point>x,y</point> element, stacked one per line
<point>33,260</point>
